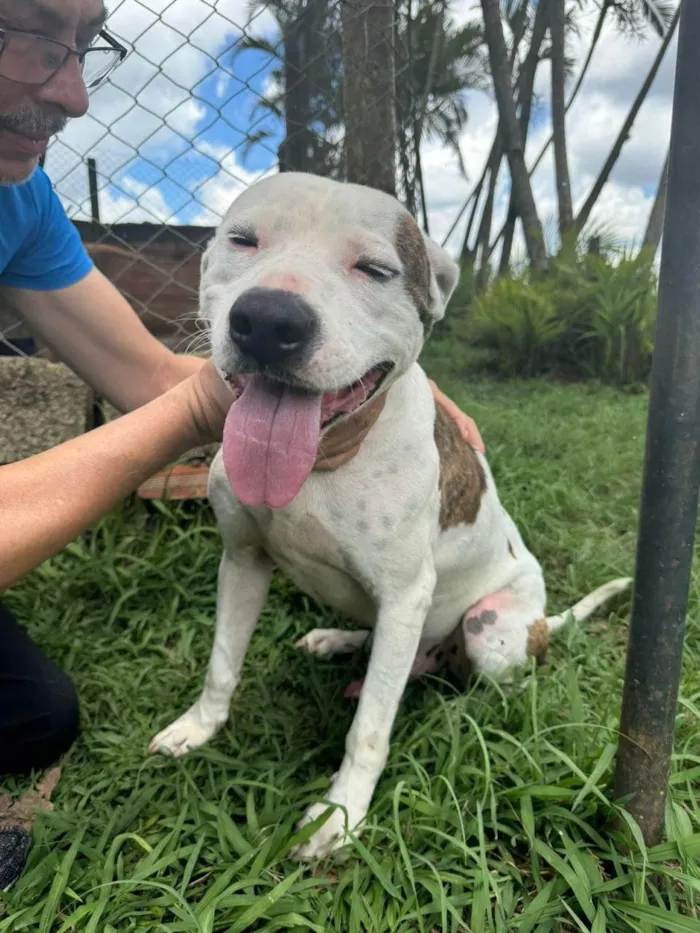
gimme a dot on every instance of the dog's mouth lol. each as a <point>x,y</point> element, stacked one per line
<point>335,405</point>
<point>273,432</point>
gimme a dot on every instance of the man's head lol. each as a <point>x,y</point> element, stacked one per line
<point>42,84</point>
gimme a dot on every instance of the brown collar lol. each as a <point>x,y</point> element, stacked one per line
<point>342,441</point>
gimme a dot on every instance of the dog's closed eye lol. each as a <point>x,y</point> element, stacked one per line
<point>376,271</point>
<point>243,239</point>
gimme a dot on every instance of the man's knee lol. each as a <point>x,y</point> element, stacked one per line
<point>39,713</point>
<point>46,730</point>
<point>62,723</point>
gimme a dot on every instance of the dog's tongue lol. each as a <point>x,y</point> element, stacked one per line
<point>270,444</point>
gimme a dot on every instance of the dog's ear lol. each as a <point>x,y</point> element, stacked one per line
<point>444,276</point>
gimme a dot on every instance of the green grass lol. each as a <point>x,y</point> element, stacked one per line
<point>494,813</point>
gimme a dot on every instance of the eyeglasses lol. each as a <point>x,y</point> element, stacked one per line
<point>26,58</point>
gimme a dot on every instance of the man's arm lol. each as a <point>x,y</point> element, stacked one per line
<point>47,500</point>
<point>94,330</point>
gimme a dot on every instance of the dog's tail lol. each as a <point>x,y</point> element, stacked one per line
<point>588,605</point>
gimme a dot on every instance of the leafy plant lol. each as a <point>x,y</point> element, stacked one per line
<point>592,316</point>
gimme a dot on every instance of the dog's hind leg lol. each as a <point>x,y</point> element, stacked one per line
<point>503,630</point>
<point>244,580</point>
<point>328,642</point>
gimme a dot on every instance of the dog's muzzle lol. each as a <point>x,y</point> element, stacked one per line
<point>272,327</point>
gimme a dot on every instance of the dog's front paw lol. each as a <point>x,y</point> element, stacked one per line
<point>332,835</point>
<point>190,731</point>
<point>325,840</point>
<point>328,642</point>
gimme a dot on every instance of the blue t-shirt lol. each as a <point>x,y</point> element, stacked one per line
<point>40,249</point>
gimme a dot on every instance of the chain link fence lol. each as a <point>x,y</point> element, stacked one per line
<point>213,95</point>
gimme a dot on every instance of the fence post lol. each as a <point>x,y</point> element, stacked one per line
<point>671,470</point>
<point>94,192</point>
<point>368,92</point>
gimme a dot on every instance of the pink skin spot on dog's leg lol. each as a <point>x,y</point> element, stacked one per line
<point>486,612</point>
<point>353,690</point>
<point>496,602</point>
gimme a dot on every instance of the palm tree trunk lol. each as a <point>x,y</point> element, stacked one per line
<point>468,254</point>
<point>527,85</point>
<point>519,27</point>
<point>473,199</point>
<point>368,92</point>
<point>607,4</point>
<point>435,53</point>
<point>294,147</point>
<point>623,136</point>
<point>494,159</point>
<point>484,236</point>
<point>561,160</point>
<point>655,227</point>
<point>420,182</point>
<point>403,95</point>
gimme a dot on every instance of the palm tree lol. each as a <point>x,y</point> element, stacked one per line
<point>557,29</point>
<point>512,135</point>
<point>305,85</point>
<point>437,62</point>
<point>630,16</point>
<point>525,89</point>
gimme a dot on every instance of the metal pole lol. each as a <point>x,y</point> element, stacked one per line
<point>671,471</point>
<point>94,191</point>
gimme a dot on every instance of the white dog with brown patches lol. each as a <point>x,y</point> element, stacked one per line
<point>336,468</point>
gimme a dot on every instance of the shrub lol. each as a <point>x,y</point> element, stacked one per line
<point>588,317</point>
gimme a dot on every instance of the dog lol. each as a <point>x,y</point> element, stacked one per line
<point>337,468</point>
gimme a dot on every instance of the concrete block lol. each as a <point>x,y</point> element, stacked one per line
<point>43,404</point>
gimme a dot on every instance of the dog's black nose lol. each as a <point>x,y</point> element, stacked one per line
<point>272,326</point>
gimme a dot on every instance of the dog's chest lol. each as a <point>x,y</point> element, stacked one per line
<point>312,549</point>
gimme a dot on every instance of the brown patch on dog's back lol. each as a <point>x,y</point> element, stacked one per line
<point>462,478</point>
<point>538,641</point>
<point>414,258</point>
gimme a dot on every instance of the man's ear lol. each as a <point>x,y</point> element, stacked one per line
<point>444,276</point>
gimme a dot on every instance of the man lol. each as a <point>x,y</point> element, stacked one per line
<point>51,52</point>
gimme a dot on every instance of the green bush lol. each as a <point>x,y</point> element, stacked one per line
<point>588,317</point>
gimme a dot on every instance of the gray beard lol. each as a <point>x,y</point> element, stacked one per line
<point>29,121</point>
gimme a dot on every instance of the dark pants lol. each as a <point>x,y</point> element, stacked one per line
<point>38,704</point>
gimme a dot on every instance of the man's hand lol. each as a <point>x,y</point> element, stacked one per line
<point>467,426</point>
<point>210,399</point>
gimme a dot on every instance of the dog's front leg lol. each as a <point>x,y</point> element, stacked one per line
<point>244,581</point>
<point>398,631</point>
